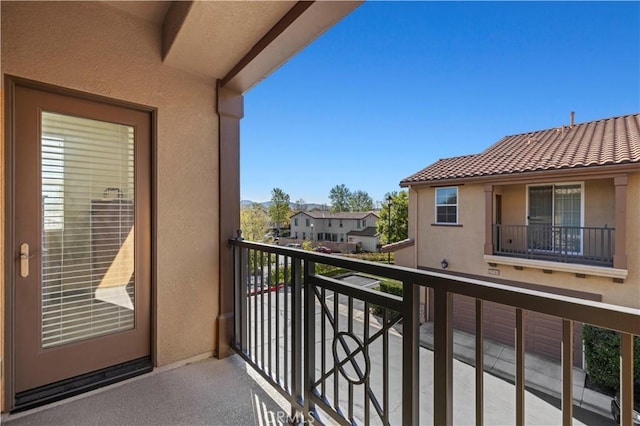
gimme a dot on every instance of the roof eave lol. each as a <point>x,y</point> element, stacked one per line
<point>608,170</point>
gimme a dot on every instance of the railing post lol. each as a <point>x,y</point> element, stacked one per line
<point>410,353</point>
<point>443,358</point>
<point>479,364</point>
<point>235,255</point>
<point>520,371</point>
<point>610,250</point>
<point>242,296</point>
<point>626,379</point>
<point>567,372</point>
<point>309,341</point>
<point>296,335</point>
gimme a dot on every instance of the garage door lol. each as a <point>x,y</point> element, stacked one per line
<point>543,333</point>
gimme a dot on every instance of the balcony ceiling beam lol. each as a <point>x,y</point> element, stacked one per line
<point>241,43</point>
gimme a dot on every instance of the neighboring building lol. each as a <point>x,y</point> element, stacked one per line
<point>133,111</point>
<point>368,238</point>
<point>554,210</point>
<point>334,227</point>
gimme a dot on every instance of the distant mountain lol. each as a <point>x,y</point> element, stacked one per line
<point>310,206</point>
<point>249,203</point>
<point>293,206</point>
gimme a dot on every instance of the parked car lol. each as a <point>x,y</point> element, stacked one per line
<point>615,409</point>
<point>323,249</point>
<point>294,245</point>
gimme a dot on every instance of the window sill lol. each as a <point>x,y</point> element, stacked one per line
<point>573,268</point>
<point>451,225</point>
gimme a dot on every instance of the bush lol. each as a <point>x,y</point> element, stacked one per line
<point>602,356</point>
<point>391,287</point>
<point>387,286</point>
<point>372,257</point>
<point>328,270</point>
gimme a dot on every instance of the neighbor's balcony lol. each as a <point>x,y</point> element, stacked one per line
<point>341,352</point>
<point>567,244</point>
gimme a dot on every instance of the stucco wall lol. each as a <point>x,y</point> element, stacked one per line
<point>404,257</point>
<point>463,246</point>
<point>599,199</point>
<point>93,48</point>
<point>514,204</point>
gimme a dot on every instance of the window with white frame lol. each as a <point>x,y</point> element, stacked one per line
<point>447,205</point>
<point>307,222</point>
<point>295,222</point>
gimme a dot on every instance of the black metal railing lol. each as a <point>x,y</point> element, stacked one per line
<point>569,244</point>
<point>344,353</point>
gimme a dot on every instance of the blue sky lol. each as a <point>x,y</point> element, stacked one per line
<point>395,86</point>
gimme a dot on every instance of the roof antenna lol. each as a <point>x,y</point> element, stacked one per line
<point>573,116</point>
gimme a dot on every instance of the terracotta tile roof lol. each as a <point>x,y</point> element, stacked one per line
<point>614,140</point>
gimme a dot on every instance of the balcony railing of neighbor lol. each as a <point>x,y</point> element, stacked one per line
<point>343,353</point>
<point>570,244</point>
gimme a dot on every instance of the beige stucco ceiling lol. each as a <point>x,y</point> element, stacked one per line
<point>211,37</point>
<point>152,11</point>
<point>216,35</point>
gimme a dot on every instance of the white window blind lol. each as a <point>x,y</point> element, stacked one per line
<point>87,176</point>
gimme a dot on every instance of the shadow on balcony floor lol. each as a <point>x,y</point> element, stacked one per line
<point>207,392</point>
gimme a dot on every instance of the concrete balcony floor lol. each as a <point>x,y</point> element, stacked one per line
<point>205,392</point>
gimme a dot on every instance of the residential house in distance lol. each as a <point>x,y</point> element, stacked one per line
<point>368,238</point>
<point>343,227</point>
<point>554,210</point>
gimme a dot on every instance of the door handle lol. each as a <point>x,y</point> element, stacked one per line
<point>24,260</point>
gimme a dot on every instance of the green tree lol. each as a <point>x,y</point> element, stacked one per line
<point>254,222</point>
<point>360,201</point>
<point>399,217</point>
<point>300,205</point>
<point>339,196</point>
<point>279,209</point>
